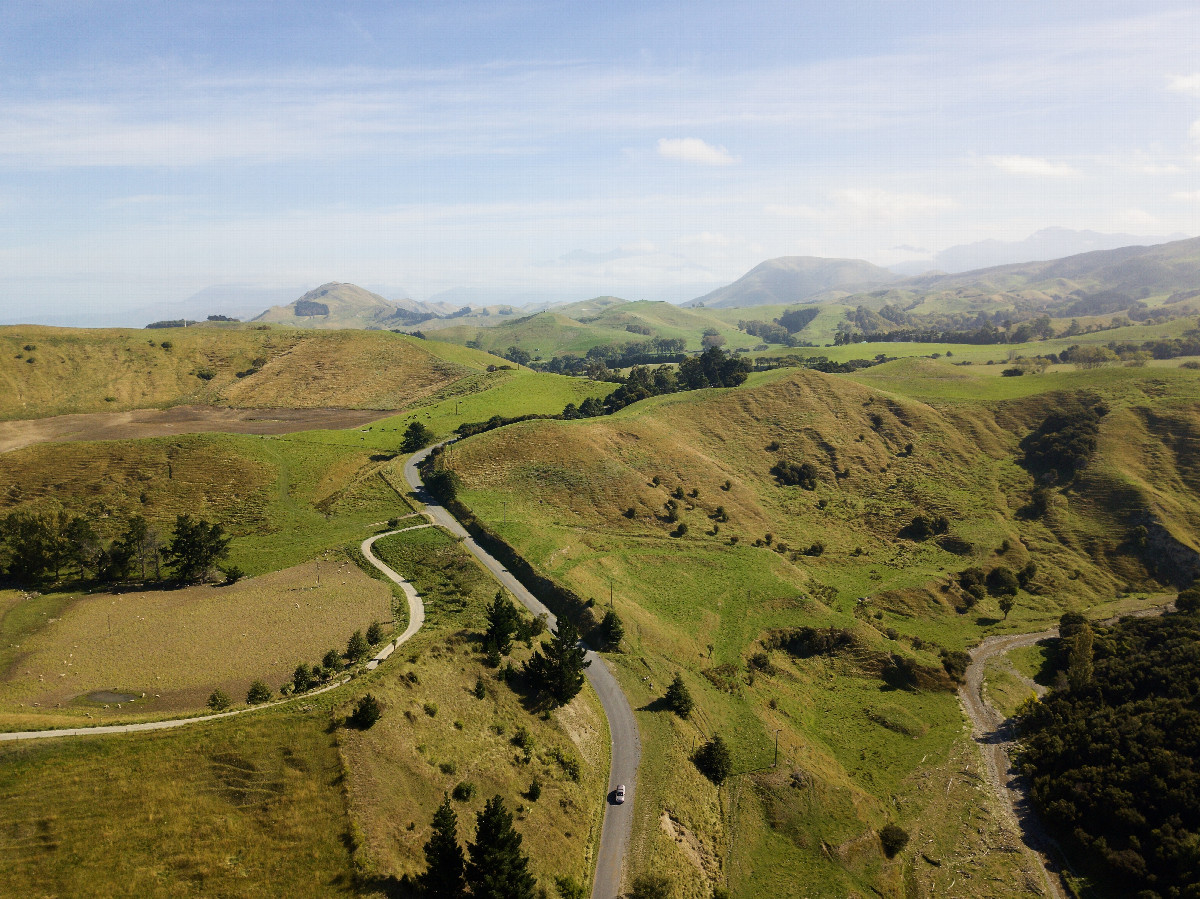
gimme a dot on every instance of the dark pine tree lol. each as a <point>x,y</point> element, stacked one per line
<point>557,668</point>
<point>502,624</point>
<point>443,878</point>
<point>497,868</point>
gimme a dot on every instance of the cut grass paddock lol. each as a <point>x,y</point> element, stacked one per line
<point>177,646</point>
<point>235,808</point>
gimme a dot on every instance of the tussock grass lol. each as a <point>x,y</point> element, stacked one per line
<point>241,807</point>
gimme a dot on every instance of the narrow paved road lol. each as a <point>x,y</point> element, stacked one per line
<point>416,617</point>
<point>622,728</point>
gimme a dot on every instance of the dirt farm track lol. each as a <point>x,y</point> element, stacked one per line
<point>140,423</point>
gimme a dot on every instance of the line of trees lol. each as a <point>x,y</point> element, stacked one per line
<point>37,547</point>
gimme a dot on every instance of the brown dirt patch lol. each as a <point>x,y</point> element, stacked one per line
<point>140,423</point>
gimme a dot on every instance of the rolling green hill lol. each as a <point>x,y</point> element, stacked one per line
<point>588,503</point>
<point>555,333</point>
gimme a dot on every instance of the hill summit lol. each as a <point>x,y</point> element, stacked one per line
<point>341,305</point>
<point>794,279</point>
<point>333,305</point>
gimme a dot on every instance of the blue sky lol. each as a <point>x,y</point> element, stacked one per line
<point>149,150</point>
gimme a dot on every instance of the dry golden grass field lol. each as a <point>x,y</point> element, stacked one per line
<point>71,370</point>
<point>177,646</point>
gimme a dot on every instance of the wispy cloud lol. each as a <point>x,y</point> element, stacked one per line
<point>868,202</point>
<point>1033,166</point>
<point>692,149</point>
<point>1192,196</point>
<point>1185,84</point>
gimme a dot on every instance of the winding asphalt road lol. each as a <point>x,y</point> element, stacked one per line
<point>416,617</point>
<point>622,728</point>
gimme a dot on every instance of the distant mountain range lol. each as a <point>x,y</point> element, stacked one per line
<point>1049,243</point>
<point>1134,272</point>
<point>794,279</point>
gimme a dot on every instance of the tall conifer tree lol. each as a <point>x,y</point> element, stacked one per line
<point>443,879</point>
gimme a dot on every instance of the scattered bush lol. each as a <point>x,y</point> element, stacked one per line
<point>714,761</point>
<point>535,790</point>
<point>651,886</point>
<point>894,838</point>
<point>1188,600</point>
<point>219,700</point>
<point>303,679</point>
<point>792,474</point>
<point>1002,582</point>
<point>431,709</point>
<point>375,633</point>
<point>922,527</point>
<point>678,699</point>
<point>258,694</point>
<point>366,713</point>
<point>357,647</point>
<point>1065,440</point>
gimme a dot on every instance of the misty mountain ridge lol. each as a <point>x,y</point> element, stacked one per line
<point>794,279</point>
<point>1048,243</point>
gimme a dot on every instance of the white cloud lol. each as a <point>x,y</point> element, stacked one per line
<point>692,149</point>
<point>1033,165</point>
<point>1194,131</point>
<point>1188,195</point>
<point>1185,84</point>
<point>889,204</point>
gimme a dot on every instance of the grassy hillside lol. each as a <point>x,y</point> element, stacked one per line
<point>82,370</point>
<point>107,816</point>
<point>438,733</point>
<point>288,800</point>
<point>333,306</point>
<point>585,501</point>
<point>555,333</point>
